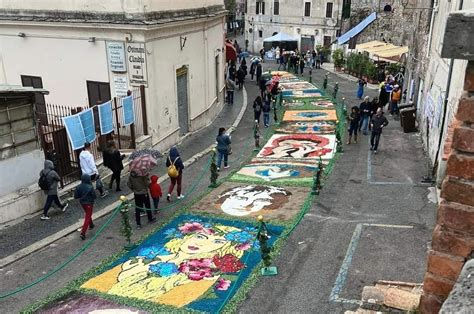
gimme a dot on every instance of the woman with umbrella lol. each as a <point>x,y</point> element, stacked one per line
<point>175,159</point>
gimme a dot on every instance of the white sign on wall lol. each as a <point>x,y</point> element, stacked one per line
<point>116,56</point>
<point>136,60</point>
<point>120,85</point>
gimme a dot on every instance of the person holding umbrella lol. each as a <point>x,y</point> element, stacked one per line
<point>139,186</point>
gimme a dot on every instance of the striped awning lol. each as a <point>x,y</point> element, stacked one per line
<point>382,50</point>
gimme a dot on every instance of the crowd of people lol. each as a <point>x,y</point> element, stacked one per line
<point>296,61</point>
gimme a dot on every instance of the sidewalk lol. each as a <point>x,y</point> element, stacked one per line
<point>32,234</point>
<point>330,68</point>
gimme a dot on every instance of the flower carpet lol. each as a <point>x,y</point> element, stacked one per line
<point>206,257</point>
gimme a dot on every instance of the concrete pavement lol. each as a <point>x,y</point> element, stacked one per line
<point>373,220</point>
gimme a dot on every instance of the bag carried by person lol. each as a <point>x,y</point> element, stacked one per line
<point>229,150</point>
<point>98,183</point>
<point>43,181</point>
<point>172,170</point>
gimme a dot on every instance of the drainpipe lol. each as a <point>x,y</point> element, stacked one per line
<point>445,103</point>
<point>433,12</point>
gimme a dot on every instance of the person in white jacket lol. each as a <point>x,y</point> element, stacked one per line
<point>88,167</point>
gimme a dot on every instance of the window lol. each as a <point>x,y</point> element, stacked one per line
<point>260,7</point>
<point>276,7</point>
<point>260,33</point>
<point>346,9</point>
<point>327,41</point>
<point>329,9</point>
<point>307,9</point>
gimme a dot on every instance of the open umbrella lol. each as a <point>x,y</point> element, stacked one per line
<point>142,152</point>
<point>230,52</point>
<point>256,59</point>
<point>266,76</point>
<point>142,165</point>
<point>244,54</point>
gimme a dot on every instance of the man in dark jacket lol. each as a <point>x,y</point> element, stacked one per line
<point>258,73</point>
<point>139,186</point>
<point>378,123</point>
<point>86,194</point>
<point>365,110</point>
<point>52,178</point>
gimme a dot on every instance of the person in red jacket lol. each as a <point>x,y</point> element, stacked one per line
<point>155,192</point>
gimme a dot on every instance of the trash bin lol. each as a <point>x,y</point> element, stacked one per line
<point>407,119</point>
<point>403,106</point>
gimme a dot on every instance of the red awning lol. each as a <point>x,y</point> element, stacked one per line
<point>230,52</point>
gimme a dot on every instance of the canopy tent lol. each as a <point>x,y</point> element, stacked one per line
<point>280,37</point>
<point>384,51</point>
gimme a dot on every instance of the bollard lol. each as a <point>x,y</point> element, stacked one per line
<point>311,75</point>
<point>275,115</point>
<point>213,169</point>
<point>317,180</point>
<point>325,83</point>
<point>262,237</point>
<point>126,228</point>
<point>338,142</point>
<point>336,88</point>
<point>280,100</point>
<point>256,136</point>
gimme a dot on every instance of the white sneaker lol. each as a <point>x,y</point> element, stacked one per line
<point>226,167</point>
<point>65,207</point>
<point>45,217</point>
<point>181,196</point>
<point>104,194</point>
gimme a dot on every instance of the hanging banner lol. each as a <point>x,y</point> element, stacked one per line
<point>106,118</point>
<point>87,121</point>
<point>75,131</point>
<point>128,110</point>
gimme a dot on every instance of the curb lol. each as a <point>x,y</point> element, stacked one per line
<point>349,78</point>
<point>105,211</point>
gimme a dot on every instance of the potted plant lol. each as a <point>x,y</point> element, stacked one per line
<point>338,59</point>
<point>371,73</point>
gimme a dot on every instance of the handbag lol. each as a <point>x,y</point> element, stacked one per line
<point>229,150</point>
<point>98,183</point>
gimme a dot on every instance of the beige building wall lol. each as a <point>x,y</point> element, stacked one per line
<point>292,20</point>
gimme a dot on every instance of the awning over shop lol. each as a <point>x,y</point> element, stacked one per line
<point>280,37</point>
<point>383,50</point>
<point>344,38</point>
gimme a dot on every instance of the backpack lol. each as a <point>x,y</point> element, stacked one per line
<point>172,170</point>
<point>43,181</point>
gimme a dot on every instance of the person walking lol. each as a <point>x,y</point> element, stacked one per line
<point>252,70</point>
<point>230,86</point>
<point>175,159</point>
<point>155,192</point>
<point>365,111</point>
<point>277,54</point>
<point>113,161</point>
<point>257,108</point>
<point>266,109</point>
<point>51,178</point>
<point>223,147</point>
<point>302,64</point>
<point>262,54</point>
<point>86,160</point>
<point>86,195</point>
<point>240,78</point>
<point>258,72</point>
<point>353,120</point>
<point>395,99</point>
<point>139,186</point>
<point>360,89</point>
<point>378,123</point>
<point>374,105</point>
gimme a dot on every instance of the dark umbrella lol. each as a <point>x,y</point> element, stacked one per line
<point>143,152</point>
<point>230,52</point>
<point>142,165</point>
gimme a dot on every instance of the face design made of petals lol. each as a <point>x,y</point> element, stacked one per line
<point>243,201</point>
<point>203,242</point>
<point>295,148</point>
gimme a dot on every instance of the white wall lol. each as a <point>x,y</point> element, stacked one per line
<point>107,6</point>
<point>20,171</point>
<point>64,64</point>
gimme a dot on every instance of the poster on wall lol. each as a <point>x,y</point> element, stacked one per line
<point>87,121</point>
<point>136,59</point>
<point>439,109</point>
<point>429,107</point>
<point>120,85</point>
<point>75,132</point>
<point>128,110</point>
<point>106,118</point>
<point>116,56</point>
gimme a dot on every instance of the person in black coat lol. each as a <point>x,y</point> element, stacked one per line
<point>113,161</point>
<point>378,123</point>
<point>258,72</point>
<point>257,108</point>
<point>240,78</point>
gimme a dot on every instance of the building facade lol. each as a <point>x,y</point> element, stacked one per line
<point>89,51</point>
<point>312,22</point>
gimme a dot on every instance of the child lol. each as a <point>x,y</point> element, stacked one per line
<point>155,192</point>
<point>86,194</point>
<point>353,120</point>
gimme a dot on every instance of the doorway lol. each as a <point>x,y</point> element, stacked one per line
<point>307,43</point>
<point>182,96</point>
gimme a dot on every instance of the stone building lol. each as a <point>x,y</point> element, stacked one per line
<point>174,48</point>
<point>312,22</point>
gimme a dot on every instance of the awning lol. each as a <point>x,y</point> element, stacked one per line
<point>280,37</point>
<point>383,50</point>
<point>357,29</point>
<point>230,52</point>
